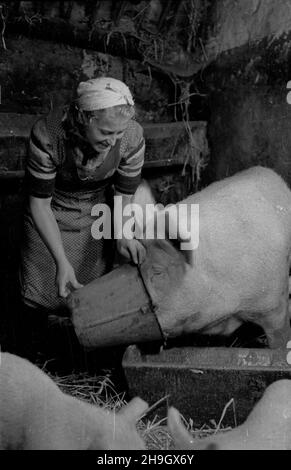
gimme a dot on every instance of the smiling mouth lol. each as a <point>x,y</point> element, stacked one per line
<point>102,145</point>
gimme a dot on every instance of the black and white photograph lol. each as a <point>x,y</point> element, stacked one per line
<point>145,229</point>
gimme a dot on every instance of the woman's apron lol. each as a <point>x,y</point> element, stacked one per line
<point>89,257</point>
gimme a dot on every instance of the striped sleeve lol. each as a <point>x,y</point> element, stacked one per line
<point>40,167</point>
<point>132,147</point>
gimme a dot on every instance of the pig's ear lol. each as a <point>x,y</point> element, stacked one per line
<point>143,194</point>
<point>182,438</point>
<point>134,410</point>
<point>142,197</point>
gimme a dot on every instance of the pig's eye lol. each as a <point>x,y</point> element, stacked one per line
<point>158,270</point>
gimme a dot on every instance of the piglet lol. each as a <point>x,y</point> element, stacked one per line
<point>36,415</point>
<point>268,427</point>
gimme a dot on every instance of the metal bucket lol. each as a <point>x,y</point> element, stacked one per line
<point>114,309</point>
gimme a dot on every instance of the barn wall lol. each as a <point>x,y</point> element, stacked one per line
<point>47,47</point>
<point>36,75</point>
<point>245,79</point>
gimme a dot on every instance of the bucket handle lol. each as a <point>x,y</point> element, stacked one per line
<point>154,307</point>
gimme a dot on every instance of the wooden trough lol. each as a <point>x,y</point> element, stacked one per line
<point>200,382</point>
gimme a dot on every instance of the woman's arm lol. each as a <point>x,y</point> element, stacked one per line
<point>48,229</point>
<point>127,179</point>
<point>131,249</point>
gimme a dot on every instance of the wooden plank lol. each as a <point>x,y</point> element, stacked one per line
<point>165,130</point>
<point>166,143</point>
<point>170,162</point>
<point>201,381</point>
<point>19,125</point>
<point>8,175</point>
<point>59,31</point>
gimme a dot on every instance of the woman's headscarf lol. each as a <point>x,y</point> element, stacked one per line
<point>101,93</point>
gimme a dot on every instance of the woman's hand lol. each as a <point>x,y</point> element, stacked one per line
<point>131,249</point>
<point>48,228</point>
<point>66,279</point>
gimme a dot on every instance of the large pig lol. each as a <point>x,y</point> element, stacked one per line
<point>36,415</point>
<point>238,273</point>
<point>268,427</point>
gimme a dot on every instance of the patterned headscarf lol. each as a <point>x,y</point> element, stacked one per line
<point>101,93</point>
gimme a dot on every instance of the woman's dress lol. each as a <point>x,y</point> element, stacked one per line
<point>62,166</point>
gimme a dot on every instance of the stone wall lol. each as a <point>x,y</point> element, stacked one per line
<point>36,75</point>
<point>245,81</point>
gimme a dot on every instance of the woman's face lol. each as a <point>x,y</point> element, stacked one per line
<point>103,132</point>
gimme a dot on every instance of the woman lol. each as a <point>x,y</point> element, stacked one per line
<point>76,157</point>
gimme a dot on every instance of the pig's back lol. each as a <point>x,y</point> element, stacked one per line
<point>251,182</point>
<point>253,200</point>
<point>244,227</point>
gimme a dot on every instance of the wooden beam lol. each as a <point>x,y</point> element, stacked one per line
<point>166,143</point>
<point>60,30</point>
